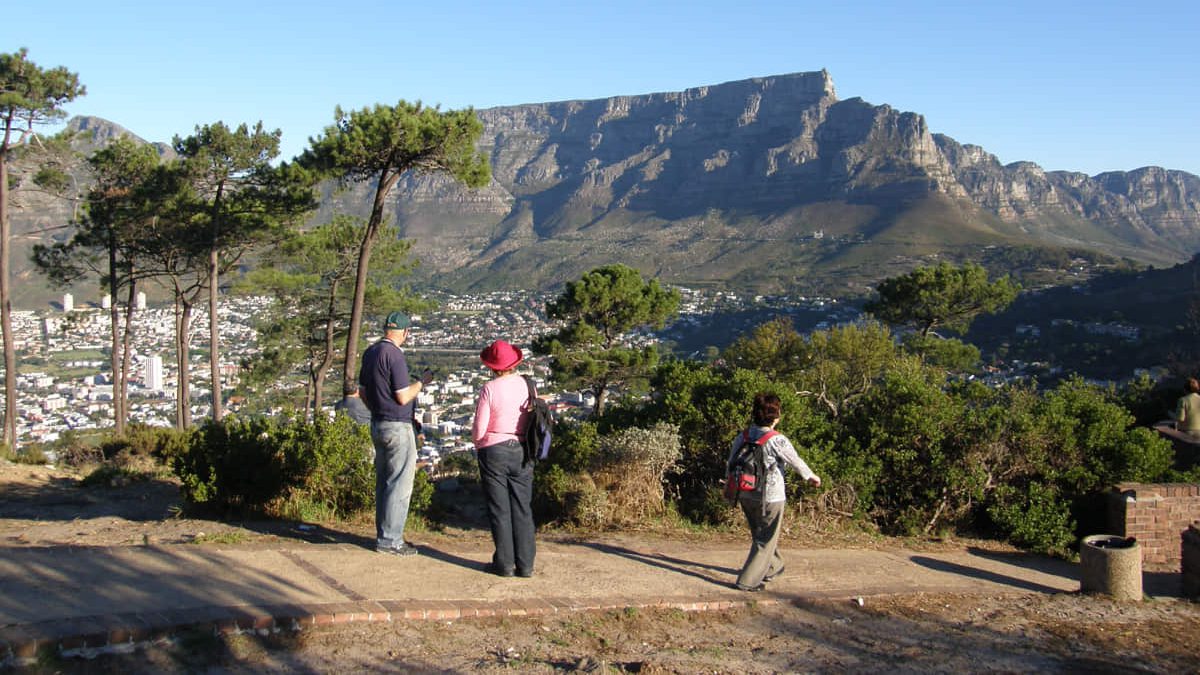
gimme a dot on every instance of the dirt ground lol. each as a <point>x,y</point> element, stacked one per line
<point>42,506</point>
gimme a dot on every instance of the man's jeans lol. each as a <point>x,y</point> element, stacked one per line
<point>395,466</point>
<point>508,490</point>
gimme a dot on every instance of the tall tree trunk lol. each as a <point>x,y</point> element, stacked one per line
<point>10,352</point>
<point>318,383</point>
<point>214,336</point>
<point>114,315</point>
<point>387,179</point>
<point>127,345</point>
<point>309,388</point>
<point>183,343</point>
<point>327,358</point>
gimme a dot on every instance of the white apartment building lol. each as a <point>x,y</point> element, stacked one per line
<point>154,373</point>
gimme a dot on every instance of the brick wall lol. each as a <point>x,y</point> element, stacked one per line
<point>1157,514</point>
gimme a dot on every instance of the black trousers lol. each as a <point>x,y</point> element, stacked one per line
<point>508,491</point>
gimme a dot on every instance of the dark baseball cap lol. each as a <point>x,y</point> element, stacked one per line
<point>397,321</point>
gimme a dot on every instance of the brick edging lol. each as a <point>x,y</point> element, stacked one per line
<point>111,633</point>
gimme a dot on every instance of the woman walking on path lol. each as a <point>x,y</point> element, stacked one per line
<point>500,417</point>
<point>764,509</point>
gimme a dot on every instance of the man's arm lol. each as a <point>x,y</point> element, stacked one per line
<point>406,395</point>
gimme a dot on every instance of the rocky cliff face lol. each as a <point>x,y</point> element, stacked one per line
<point>770,182</point>
<point>1152,209</point>
<point>777,155</point>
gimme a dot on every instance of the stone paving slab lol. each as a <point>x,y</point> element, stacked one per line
<point>76,599</point>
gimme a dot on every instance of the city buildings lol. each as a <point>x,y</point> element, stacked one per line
<point>64,380</point>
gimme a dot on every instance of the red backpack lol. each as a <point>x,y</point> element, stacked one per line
<point>746,472</point>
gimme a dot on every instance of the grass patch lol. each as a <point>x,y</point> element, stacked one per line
<point>31,454</point>
<point>110,476</point>
<point>224,538</point>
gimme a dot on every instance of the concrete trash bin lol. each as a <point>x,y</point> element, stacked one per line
<point>1111,565</point>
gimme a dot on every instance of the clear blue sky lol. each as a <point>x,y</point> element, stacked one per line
<point>1084,86</point>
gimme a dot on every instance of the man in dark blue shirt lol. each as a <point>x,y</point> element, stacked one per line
<point>390,396</point>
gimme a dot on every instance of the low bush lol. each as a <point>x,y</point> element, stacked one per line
<point>34,453</point>
<point>630,469</point>
<point>459,464</point>
<point>421,501</point>
<point>234,467</point>
<point>621,484</point>
<point>112,476</point>
<point>1035,517</point>
<point>331,467</point>
<point>282,468</point>
<point>161,444</point>
<point>74,450</point>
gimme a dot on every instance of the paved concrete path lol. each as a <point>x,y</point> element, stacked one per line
<point>78,599</point>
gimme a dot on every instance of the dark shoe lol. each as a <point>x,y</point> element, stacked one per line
<point>403,550</point>
<point>492,568</point>
<point>775,574</point>
<point>749,589</point>
<point>525,573</point>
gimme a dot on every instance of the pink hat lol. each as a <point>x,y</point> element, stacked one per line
<point>500,356</point>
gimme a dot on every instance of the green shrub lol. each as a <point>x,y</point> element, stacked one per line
<point>236,466</point>
<point>31,453</point>
<point>574,446</point>
<point>331,466</point>
<point>110,475</point>
<point>461,464</point>
<point>286,467</point>
<point>142,441</point>
<point>1097,445</point>
<point>556,480</point>
<point>917,462</point>
<point>1035,517</point>
<point>712,508</point>
<point>552,493</point>
<point>421,502</point>
<point>75,450</point>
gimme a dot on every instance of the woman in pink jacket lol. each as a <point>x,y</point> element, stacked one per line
<point>500,417</point>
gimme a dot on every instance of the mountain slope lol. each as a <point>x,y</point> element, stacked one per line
<point>730,182</point>
<point>770,183</point>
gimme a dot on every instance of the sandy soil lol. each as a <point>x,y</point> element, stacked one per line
<point>42,506</point>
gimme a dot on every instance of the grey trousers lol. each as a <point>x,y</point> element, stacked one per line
<point>765,521</point>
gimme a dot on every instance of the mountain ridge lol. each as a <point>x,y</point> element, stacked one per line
<point>770,183</point>
<point>671,171</point>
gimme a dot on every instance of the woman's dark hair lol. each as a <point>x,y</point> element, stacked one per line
<point>766,409</point>
<point>1193,385</point>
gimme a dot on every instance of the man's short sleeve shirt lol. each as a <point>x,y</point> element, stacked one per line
<point>384,372</point>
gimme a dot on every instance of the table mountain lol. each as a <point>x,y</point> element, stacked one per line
<point>771,183</point>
